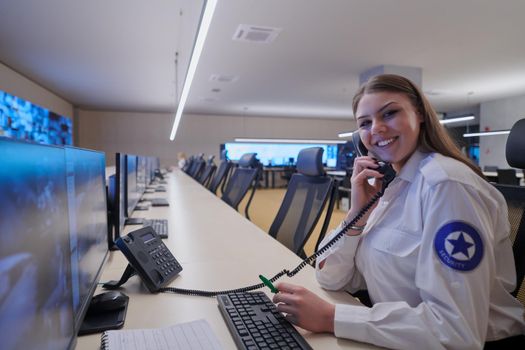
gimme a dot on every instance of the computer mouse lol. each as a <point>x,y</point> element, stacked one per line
<point>108,301</point>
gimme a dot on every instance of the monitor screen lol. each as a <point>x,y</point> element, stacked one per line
<point>346,155</point>
<point>35,273</point>
<point>87,223</point>
<point>132,194</point>
<point>119,212</point>
<point>279,154</point>
<point>142,164</point>
<point>20,119</point>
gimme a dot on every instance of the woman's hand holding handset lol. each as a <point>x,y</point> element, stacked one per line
<point>365,167</point>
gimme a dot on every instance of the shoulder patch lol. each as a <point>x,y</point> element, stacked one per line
<point>459,246</point>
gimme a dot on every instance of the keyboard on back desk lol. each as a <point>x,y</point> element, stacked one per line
<point>255,323</point>
<point>160,226</point>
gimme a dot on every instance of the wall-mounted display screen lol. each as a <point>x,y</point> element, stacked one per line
<point>20,119</point>
<point>279,154</point>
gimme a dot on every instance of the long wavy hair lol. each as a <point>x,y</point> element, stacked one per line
<point>432,135</point>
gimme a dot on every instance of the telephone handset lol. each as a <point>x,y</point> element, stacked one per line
<point>149,257</point>
<point>384,168</point>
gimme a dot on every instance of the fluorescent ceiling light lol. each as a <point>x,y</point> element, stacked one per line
<point>287,141</point>
<point>194,60</point>
<point>456,120</point>
<point>487,133</point>
<point>346,134</point>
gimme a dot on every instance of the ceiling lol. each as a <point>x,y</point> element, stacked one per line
<point>119,54</point>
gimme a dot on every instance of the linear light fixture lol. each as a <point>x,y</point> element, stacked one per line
<point>487,133</point>
<point>346,134</point>
<point>456,120</point>
<point>204,25</point>
<point>287,141</point>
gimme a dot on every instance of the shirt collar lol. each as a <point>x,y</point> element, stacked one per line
<point>411,167</point>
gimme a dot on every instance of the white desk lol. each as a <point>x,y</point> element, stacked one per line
<point>218,249</point>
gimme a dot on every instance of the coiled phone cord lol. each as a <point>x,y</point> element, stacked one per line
<point>309,260</point>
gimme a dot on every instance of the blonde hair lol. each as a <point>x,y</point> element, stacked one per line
<point>432,136</point>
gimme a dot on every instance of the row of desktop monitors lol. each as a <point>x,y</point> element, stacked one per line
<point>53,239</point>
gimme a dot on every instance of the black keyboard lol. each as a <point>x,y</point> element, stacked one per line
<point>160,226</point>
<point>255,323</point>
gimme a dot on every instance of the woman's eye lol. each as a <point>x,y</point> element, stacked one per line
<point>364,124</point>
<point>390,113</point>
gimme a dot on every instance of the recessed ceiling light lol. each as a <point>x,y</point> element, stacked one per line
<point>216,90</point>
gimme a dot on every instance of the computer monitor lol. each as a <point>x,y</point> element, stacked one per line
<point>36,310</point>
<point>132,193</point>
<point>141,174</point>
<point>117,198</point>
<point>88,226</point>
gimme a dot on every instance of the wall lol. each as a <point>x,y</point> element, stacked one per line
<point>18,85</point>
<point>498,115</point>
<point>148,133</point>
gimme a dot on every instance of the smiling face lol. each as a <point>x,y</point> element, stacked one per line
<point>389,126</point>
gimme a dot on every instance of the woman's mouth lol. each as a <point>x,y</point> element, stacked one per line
<point>384,143</point>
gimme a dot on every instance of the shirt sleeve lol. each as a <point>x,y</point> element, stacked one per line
<point>454,307</point>
<point>339,270</point>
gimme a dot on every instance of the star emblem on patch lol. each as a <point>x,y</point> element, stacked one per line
<point>459,246</point>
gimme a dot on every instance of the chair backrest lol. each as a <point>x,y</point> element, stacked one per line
<point>189,164</point>
<point>207,173</point>
<point>220,176</point>
<point>507,177</point>
<point>243,178</point>
<point>515,197</point>
<point>197,167</point>
<point>308,192</point>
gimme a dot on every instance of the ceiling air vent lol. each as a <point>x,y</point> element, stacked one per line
<point>256,34</point>
<point>223,78</point>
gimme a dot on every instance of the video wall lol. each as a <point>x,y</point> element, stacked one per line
<point>279,154</point>
<point>20,119</point>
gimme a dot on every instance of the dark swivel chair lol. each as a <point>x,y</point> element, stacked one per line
<point>507,177</point>
<point>244,177</point>
<point>189,164</point>
<point>308,192</point>
<point>515,197</point>
<point>221,176</point>
<point>197,166</point>
<point>208,171</point>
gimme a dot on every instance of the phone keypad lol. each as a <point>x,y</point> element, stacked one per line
<point>165,261</point>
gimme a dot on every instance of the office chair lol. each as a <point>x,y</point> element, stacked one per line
<point>507,177</point>
<point>221,176</point>
<point>189,164</point>
<point>208,171</point>
<point>308,192</point>
<point>244,177</point>
<point>197,167</point>
<point>515,197</point>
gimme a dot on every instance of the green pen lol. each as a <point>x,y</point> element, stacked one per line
<point>268,284</point>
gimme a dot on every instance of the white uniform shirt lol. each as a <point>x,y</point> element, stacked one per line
<point>436,259</point>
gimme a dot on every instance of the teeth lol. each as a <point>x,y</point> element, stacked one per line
<point>385,142</point>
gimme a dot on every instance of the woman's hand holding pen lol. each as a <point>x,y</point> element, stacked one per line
<point>362,191</point>
<point>305,309</point>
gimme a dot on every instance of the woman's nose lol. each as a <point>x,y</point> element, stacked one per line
<point>378,126</point>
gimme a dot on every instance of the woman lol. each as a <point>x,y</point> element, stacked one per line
<point>434,253</point>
